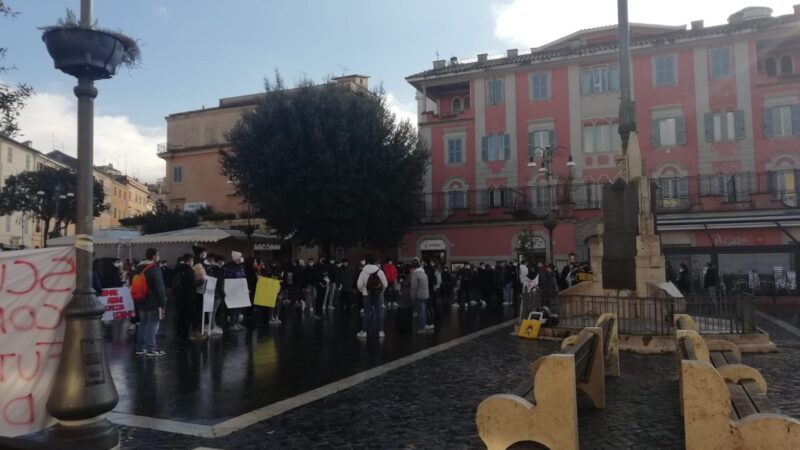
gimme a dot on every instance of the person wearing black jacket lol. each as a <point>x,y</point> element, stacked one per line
<point>711,280</point>
<point>347,284</point>
<point>684,280</point>
<point>183,292</point>
<point>151,308</point>
<point>446,290</point>
<point>298,282</point>
<point>321,280</point>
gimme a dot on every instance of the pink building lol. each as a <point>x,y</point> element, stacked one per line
<point>718,113</point>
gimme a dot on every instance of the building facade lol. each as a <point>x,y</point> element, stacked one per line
<point>521,137</point>
<point>194,176</point>
<point>16,230</point>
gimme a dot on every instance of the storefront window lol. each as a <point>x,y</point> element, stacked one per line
<point>775,272</point>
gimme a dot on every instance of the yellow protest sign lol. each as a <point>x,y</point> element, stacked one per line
<point>267,290</point>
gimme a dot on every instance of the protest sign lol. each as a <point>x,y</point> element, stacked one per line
<point>35,285</point>
<point>208,295</point>
<point>236,293</point>
<point>118,303</point>
<point>267,290</point>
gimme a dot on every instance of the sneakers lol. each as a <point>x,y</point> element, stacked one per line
<point>216,331</point>
<point>318,317</point>
<point>275,321</point>
<point>506,303</point>
<point>362,334</point>
<point>483,304</point>
<point>362,311</point>
<point>303,304</point>
<point>429,326</point>
<point>455,306</point>
<point>473,303</point>
<point>196,336</point>
<point>381,335</point>
<point>140,353</point>
<point>424,331</point>
<point>236,327</point>
<point>155,353</point>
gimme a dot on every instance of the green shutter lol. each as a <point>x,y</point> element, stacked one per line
<point>655,133</point>
<point>709,126</point>
<point>769,129</point>
<point>680,131</point>
<point>507,147</point>
<point>739,126</point>
<point>485,148</point>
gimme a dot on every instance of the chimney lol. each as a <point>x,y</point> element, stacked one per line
<point>797,10</point>
<point>439,64</point>
<point>697,25</point>
<point>512,52</point>
<point>483,57</point>
<point>28,144</point>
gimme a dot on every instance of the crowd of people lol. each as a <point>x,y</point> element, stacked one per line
<point>418,290</point>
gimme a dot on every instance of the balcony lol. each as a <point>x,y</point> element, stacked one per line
<point>521,203</point>
<point>774,190</point>
<point>747,191</point>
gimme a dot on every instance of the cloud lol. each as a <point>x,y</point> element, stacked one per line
<point>50,121</point>
<point>403,110</point>
<point>162,12</point>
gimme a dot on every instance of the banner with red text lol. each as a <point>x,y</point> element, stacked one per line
<point>118,303</point>
<point>35,285</point>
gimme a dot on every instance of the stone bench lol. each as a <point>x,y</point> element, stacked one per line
<point>550,415</point>
<point>720,351</point>
<point>727,407</point>
<point>608,323</point>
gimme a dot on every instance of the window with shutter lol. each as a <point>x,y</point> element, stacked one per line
<point>767,125</point>
<point>655,131</point>
<point>485,148</point>
<point>795,120</point>
<point>710,127</point>
<point>738,124</point>
<point>680,131</point>
<point>507,147</point>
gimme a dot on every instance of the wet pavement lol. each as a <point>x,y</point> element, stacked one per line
<point>429,403</point>
<point>208,382</point>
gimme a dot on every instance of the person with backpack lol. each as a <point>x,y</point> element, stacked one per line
<point>147,290</point>
<point>183,293</point>
<point>420,292</point>
<point>372,284</point>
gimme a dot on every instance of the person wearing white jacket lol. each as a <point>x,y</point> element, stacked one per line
<point>373,302</point>
<point>420,293</point>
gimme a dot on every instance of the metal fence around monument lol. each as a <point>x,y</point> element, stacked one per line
<point>648,316</point>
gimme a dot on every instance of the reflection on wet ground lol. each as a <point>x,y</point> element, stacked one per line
<point>787,313</point>
<point>208,382</point>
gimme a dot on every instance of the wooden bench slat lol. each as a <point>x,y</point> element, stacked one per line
<point>760,400</point>
<point>741,401</point>
<point>524,390</point>
<point>717,359</point>
<point>688,350</point>
<point>582,350</point>
<point>730,357</point>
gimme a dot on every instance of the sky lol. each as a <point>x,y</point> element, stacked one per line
<point>197,51</point>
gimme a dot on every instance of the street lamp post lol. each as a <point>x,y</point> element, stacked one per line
<point>85,390</point>
<point>545,157</point>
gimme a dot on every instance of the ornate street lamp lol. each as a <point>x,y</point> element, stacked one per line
<point>85,390</point>
<point>545,157</point>
<point>551,223</point>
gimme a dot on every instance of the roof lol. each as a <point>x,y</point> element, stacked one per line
<point>108,237</point>
<point>669,37</point>
<point>187,235</point>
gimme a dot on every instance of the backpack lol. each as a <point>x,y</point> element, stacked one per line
<point>139,289</point>
<point>374,285</point>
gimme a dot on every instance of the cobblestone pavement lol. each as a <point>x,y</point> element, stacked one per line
<point>431,403</point>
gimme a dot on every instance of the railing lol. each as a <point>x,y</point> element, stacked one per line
<point>748,190</point>
<point>650,316</point>
<point>161,148</point>
<point>723,192</point>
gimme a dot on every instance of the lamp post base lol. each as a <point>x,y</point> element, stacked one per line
<point>100,434</point>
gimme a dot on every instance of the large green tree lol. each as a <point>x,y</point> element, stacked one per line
<point>328,165</point>
<point>44,195</point>
<point>12,99</point>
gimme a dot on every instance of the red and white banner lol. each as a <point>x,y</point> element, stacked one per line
<point>35,285</point>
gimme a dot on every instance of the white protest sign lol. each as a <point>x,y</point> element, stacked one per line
<point>208,296</point>
<point>236,293</point>
<point>118,303</point>
<point>35,285</point>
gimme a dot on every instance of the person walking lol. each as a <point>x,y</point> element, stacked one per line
<point>447,286</point>
<point>347,283</point>
<point>151,308</point>
<point>464,287</point>
<point>434,283</point>
<point>372,284</point>
<point>184,284</point>
<point>420,292</point>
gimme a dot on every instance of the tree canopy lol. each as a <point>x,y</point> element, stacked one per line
<point>328,165</point>
<point>21,193</point>
<point>161,219</point>
<point>12,99</point>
